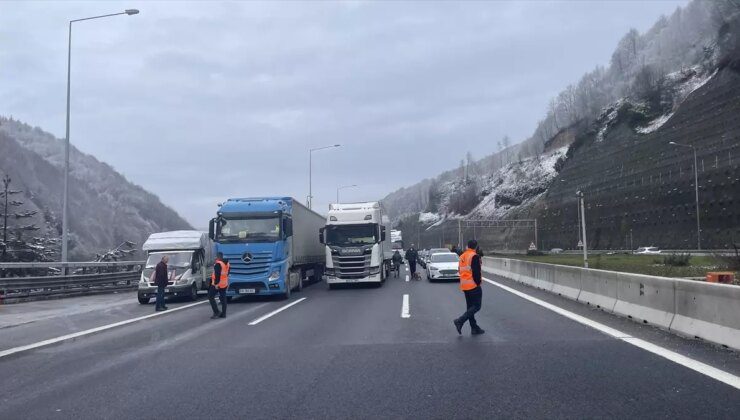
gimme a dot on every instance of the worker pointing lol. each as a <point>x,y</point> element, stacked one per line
<point>219,284</point>
<point>470,284</point>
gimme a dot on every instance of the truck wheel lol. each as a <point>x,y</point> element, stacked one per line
<point>194,292</point>
<point>143,300</point>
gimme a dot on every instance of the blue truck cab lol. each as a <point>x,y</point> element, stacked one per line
<point>270,243</point>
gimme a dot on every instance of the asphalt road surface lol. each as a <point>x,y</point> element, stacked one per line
<point>357,352</point>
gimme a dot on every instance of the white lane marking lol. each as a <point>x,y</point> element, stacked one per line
<point>405,307</point>
<point>407,277</point>
<point>695,365</point>
<point>59,339</point>
<point>276,311</point>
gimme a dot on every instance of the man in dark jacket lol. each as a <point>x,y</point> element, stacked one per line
<point>397,259</point>
<point>411,257</point>
<point>160,279</point>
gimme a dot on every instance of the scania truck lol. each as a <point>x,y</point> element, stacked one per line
<point>270,244</point>
<point>357,249</point>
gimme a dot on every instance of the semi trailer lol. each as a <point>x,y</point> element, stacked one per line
<point>270,244</point>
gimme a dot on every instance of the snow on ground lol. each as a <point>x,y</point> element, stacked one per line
<point>518,184</point>
<point>428,218</point>
<point>654,124</point>
<point>609,119</point>
<point>685,82</point>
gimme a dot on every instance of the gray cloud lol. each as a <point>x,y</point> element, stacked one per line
<point>201,101</point>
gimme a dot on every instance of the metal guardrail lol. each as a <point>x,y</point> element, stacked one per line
<point>83,278</point>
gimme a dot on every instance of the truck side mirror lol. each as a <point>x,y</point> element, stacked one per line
<point>321,236</point>
<point>212,229</point>
<point>382,234</point>
<point>288,229</point>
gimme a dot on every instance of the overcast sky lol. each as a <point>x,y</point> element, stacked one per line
<point>198,102</point>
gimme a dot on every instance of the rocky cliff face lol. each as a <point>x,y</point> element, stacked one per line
<point>105,209</point>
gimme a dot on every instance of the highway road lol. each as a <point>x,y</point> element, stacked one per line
<point>356,352</point>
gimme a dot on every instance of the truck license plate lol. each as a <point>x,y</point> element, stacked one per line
<point>247,291</point>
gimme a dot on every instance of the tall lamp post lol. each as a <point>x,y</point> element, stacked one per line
<point>582,211</point>
<point>696,190</point>
<point>65,199</point>
<point>310,171</point>
<point>343,187</point>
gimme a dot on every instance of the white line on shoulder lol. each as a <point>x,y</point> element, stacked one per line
<point>680,359</point>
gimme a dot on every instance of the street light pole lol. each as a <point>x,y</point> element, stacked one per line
<point>65,198</point>
<point>310,172</point>
<point>579,194</point>
<point>343,187</point>
<point>696,191</point>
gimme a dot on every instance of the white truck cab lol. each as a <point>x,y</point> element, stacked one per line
<point>357,249</point>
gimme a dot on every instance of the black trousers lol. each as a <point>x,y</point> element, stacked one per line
<point>474,300</point>
<point>212,298</point>
<point>412,266</point>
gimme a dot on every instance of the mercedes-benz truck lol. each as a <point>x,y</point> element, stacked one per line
<point>189,268</point>
<point>355,243</point>
<point>270,244</point>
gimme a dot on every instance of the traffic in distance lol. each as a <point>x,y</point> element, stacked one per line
<point>272,246</point>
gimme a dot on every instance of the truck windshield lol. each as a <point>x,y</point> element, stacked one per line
<point>177,259</point>
<point>339,235</point>
<point>263,229</point>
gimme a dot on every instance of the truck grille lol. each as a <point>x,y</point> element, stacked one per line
<point>256,285</point>
<point>259,265</point>
<point>352,267</point>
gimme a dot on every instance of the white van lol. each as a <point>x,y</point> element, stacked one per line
<point>189,268</point>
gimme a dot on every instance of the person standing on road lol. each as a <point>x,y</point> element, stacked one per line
<point>160,279</point>
<point>411,256</point>
<point>219,284</point>
<point>470,284</point>
<point>397,258</point>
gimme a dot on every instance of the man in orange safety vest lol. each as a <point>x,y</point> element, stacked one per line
<point>470,284</point>
<point>219,284</point>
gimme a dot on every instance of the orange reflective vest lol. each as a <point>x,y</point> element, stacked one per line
<point>223,281</point>
<point>466,270</point>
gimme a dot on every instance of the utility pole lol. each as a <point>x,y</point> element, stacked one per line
<point>579,194</point>
<point>6,184</point>
<point>696,191</point>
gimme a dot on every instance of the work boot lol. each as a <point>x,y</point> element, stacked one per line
<point>214,316</point>
<point>222,316</point>
<point>458,325</point>
<point>477,331</point>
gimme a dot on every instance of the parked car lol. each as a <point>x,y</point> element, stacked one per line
<point>648,250</point>
<point>443,266</point>
<point>556,251</point>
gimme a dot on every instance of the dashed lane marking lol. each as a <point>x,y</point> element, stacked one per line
<point>276,311</point>
<point>405,311</point>
<point>680,359</point>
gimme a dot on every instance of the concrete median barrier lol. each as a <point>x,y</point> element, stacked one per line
<point>543,276</point>
<point>708,311</point>
<point>599,288</point>
<point>646,299</point>
<point>567,281</point>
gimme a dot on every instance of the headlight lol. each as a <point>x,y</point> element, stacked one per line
<point>433,268</point>
<point>374,270</point>
<point>274,275</point>
<point>329,271</point>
